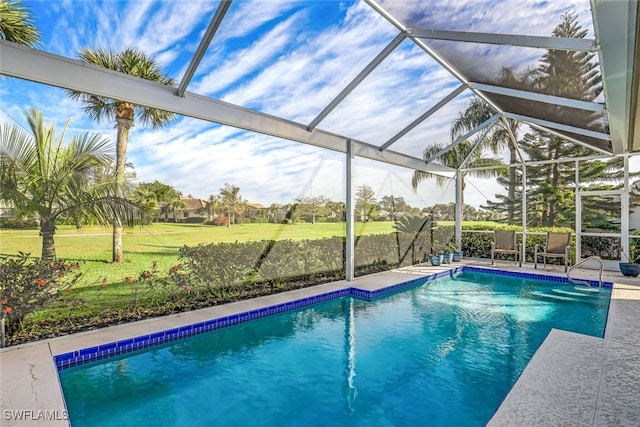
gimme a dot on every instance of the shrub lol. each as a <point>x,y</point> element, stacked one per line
<point>19,223</point>
<point>330,252</point>
<point>221,264</point>
<point>281,260</point>
<point>219,221</point>
<point>27,285</point>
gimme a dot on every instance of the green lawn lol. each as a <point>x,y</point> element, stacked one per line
<point>90,302</point>
<point>161,242</point>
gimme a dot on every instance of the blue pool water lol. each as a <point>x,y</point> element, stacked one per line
<point>442,354</point>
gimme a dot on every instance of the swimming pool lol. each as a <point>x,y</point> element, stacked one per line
<point>446,352</point>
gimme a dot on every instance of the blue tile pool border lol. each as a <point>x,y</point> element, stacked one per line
<point>533,276</point>
<point>103,351</point>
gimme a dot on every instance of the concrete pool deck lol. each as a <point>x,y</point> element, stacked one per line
<point>572,379</point>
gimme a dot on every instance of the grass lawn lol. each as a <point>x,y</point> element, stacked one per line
<point>161,242</point>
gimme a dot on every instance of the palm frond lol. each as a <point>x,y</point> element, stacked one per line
<point>16,24</point>
<point>131,62</point>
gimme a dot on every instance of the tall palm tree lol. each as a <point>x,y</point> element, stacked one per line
<point>477,112</point>
<point>175,206</point>
<point>231,201</point>
<point>454,158</point>
<point>415,227</point>
<point>213,204</point>
<point>134,63</point>
<point>275,211</point>
<point>40,173</point>
<point>16,24</point>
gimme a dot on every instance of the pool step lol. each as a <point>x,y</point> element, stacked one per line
<point>574,294</point>
<point>580,295</point>
<point>587,289</point>
<point>538,294</point>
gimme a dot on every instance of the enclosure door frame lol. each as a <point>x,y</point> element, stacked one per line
<point>624,219</point>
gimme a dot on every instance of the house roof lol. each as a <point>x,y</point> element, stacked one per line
<point>193,204</point>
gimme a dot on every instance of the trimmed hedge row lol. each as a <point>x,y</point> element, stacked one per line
<point>226,264</point>
<point>18,223</point>
<point>229,264</point>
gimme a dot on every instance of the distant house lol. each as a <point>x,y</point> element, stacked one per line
<point>6,210</point>
<point>193,210</point>
<point>254,210</point>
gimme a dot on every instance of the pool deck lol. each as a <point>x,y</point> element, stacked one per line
<point>572,380</point>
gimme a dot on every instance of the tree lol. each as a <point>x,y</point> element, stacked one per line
<point>550,187</point>
<point>16,24</point>
<point>134,63</point>
<point>155,197</point>
<point>393,205</point>
<point>365,202</point>
<point>231,201</point>
<point>454,158</point>
<point>275,211</point>
<point>241,209</point>
<point>213,204</point>
<point>570,74</point>
<point>175,206</point>
<point>41,174</point>
<point>336,210</point>
<point>477,112</point>
<point>312,206</point>
<point>417,227</point>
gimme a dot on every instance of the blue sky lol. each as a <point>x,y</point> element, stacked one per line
<point>287,58</point>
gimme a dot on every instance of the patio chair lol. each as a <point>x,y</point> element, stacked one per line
<point>504,242</point>
<point>558,245</point>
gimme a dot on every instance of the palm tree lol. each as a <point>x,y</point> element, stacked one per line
<point>213,204</point>
<point>231,201</point>
<point>99,108</point>
<point>414,226</point>
<point>478,112</point>
<point>275,211</point>
<point>16,24</point>
<point>175,206</point>
<point>41,174</point>
<point>454,158</point>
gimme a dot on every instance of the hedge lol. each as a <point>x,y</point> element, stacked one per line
<point>231,264</point>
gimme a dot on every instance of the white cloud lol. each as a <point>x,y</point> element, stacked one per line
<point>534,17</point>
<point>239,64</point>
<point>285,58</point>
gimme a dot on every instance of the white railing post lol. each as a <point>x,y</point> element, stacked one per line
<point>350,238</point>
<point>459,210</point>
<point>523,255</point>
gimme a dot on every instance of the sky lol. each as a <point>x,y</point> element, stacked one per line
<point>289,59</point>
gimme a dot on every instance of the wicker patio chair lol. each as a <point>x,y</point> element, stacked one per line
<point>558,245</point>
<point>504,242</point>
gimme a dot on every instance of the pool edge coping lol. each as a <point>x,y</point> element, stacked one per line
<point>128,345</point>
<point>110,349</point>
